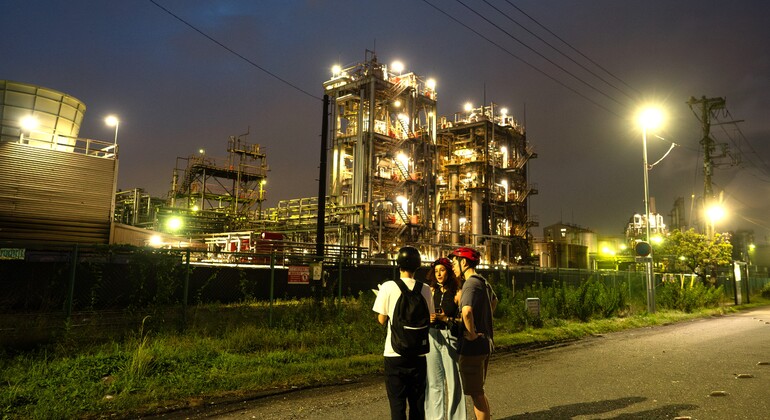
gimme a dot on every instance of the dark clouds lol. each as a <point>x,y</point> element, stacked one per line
<point>177,91</point>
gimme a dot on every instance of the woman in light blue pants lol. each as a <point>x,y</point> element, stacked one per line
<point>444,394</point>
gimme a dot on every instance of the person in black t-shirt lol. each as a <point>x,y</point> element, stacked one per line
<point>442,359</point>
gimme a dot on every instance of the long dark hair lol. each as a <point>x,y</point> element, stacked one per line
<point>452,283</point>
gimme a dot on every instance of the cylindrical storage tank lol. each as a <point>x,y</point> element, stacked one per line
<point>476,216</point>
<point>58,115</point>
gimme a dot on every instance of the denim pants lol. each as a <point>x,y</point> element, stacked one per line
<point>443,372</point>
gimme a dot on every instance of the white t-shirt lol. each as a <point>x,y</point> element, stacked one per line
<point>385,304</point>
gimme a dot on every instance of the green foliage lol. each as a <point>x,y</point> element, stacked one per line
<point>692,252</point>
<point>310,342</point>
<point>591,299</point>
<point>765,292</point>
<point>674,295</point>
<point>234,348</point>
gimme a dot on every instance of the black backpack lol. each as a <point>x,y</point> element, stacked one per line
<point>409,323</point>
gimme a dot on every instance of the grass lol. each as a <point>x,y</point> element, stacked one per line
<point>237,355</point>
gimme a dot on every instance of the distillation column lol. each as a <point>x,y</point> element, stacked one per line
<point>455,218</point>
<point>476,212</point>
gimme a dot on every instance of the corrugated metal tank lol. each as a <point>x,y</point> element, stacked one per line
<point>59,115</point>
<point>54,187</point>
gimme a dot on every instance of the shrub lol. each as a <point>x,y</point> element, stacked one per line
<point>689,298</point>
<point>766,291</point>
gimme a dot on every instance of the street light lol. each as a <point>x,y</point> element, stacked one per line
<point>27,123</point>
<point>113,121</point>
<point>649,118</point>
<point>714,213</point>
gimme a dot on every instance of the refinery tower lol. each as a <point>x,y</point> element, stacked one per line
<point>400,174</point>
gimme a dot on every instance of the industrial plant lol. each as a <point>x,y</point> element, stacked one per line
<point>399,174</point>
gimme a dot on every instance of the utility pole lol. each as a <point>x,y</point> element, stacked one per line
<point>707,107</point>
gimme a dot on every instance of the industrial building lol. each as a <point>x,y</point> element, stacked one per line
<point>399,174</point>
<point>55,187</point>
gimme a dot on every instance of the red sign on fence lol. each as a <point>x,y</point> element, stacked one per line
<point>299,274</point>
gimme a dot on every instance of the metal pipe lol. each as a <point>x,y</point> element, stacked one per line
<point>648,263</point>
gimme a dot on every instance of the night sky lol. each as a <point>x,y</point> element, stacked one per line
<point>176,91</point>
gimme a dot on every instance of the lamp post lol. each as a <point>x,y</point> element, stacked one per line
<point>648,119</point>
<point>113,121</point>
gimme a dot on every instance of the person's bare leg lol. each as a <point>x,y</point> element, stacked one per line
<point>481,407</point>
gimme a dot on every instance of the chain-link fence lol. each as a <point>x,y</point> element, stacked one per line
<point>107,291</point>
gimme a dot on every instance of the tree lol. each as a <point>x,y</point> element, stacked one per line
<point>696,253</point>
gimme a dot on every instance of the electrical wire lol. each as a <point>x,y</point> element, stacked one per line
<point>664,156</point>
<point>557,49</point>
<point>210,38</point>
<point>541,55</point>
<point>532,66</point>
<point>573,48</point>
<point>762,166</point>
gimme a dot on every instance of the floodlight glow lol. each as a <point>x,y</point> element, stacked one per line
<point>397,67</point>
<point>650,118</point>
<point>403,201</point>
<point>403,158</point>
<point>29,122</point>
<point>397,103</point>
<point>174,223</point>
<point>431,84</point>
<point>715,213</point>
<point>504,111</point>
<point>195,208</point>
<point>111,120</point>
<point>336,70</point>
<point>468,107</point>
<point>752,247</point>
<point>657,239</point>
<point>607,251</point>
<point>155,240</point>
<point>202,151</point>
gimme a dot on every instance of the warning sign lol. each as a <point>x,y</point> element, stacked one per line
<point>299,274</point>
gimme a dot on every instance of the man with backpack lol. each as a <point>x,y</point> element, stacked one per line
<point>407,304</point>
<point>477,303</point>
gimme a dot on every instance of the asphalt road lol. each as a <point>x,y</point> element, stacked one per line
<point>705,369</point>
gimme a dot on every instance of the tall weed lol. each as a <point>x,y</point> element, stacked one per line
<point>673,295</point>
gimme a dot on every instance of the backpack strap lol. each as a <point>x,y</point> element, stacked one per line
<point>404,289</point>
<point>401,285</point>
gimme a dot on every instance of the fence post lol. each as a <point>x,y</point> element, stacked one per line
<point>339,280</point>
<point>272,286</point>
<point>186,290</point>
<point>71,290</point>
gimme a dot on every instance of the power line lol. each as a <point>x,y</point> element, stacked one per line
<point>539,54</point>
<point>532,66</point>
<point>268,72</point>
<point>573,48</point>
<point>557,49</point>
<point>762,166</point>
